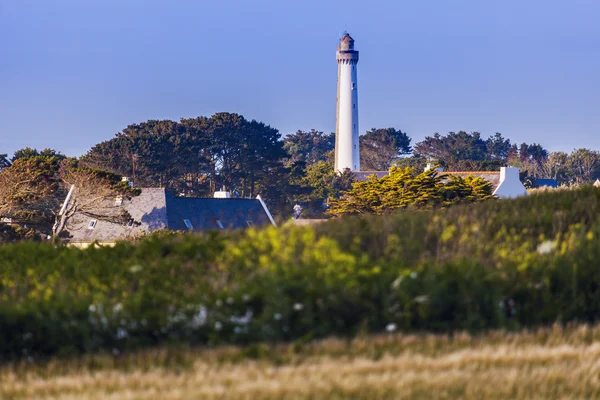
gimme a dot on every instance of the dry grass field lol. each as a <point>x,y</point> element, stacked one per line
<point>546,364</point>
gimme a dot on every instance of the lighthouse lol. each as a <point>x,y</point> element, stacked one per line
<point>347,154</point>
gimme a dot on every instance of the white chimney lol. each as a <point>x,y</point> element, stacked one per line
<point>510,185</point>
<point>222,194</point>
<point>597,183</point>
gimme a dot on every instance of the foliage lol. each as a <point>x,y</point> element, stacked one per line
<point>508,264</point>
<point>94,195</point>
<point>310,147</point>
<point>380,147</point>
<point>195,156</point>
<point>403,188</point>
<point>514,263</point>
<point>320,184</point>
<point>4,161</point>
<point>28,152</point>
<point>453,147</point>
<point>30,191</point>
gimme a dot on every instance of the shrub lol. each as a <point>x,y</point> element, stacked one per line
<point>502,264</point>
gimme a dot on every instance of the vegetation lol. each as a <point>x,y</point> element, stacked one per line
<point>34,187</point>
<point>510,264</point>
<point>542,364</point>
<point>196,156</point>
<point>404,188</point>
<point>380,147</point>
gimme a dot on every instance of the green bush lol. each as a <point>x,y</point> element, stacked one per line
<point>500,264</point>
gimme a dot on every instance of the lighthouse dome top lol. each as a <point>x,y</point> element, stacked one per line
<point>346,43</point>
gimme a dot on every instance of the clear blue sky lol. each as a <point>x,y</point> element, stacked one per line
<point>75,72</point>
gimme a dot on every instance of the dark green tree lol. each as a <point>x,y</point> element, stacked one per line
<point>29,152</point>
<point>380,147</point>
<point>454,147</point>
<point>498,148</point>
<point>310,147</point>
<point>4,161</point>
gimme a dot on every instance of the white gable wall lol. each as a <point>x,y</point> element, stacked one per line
<point>510,185</point>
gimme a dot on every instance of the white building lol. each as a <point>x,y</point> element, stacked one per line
<point>347,154</point>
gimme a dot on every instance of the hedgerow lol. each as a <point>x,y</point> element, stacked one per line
<point>500,264</point>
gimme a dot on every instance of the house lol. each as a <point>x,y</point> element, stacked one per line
<point>158,209</point>
<point>505,183</point>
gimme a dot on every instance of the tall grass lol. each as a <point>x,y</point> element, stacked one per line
<point>546,363</point>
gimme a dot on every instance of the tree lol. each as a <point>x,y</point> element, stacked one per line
<point>145,152</point>
<point>583,165</point>
<point>310,147</point>
<point>404,188</point>
<point>498,148</point>
<point>454,147</point>
<point>380,147</point>
<point>555,166</point>
<point>93,193</point>
<point>29,152</point>
<point>194,156</point>
<point>4,161</point>
<point>30,191</point>
<point>530,159</point>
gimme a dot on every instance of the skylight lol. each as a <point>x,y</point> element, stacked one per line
<point>219,224</point>
<point>92,224</point>
<point>188,224</point>
<point>249,223</point>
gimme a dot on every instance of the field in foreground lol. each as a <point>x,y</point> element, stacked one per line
<point>548,363</point>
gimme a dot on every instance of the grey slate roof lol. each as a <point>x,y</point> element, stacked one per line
<point>157,209</point>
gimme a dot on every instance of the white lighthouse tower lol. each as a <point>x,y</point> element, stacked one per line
<point>347,154</point>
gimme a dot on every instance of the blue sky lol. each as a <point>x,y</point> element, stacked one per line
<point>75,72</point>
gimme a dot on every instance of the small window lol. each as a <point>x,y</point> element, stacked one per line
<point>130,223</point>
<point>249,223</point>
<point>118,201</point>
<point>219,224</point>
<point>354,106</point>
<point>353,85</point>
<point>188,224</point>
<point>92,224</point>
<point>354,147</point>
<point>354,126</point>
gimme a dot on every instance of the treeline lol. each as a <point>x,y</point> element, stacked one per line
<point>196,156</point>
<point>500,264</point>
<point>462,151</point>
